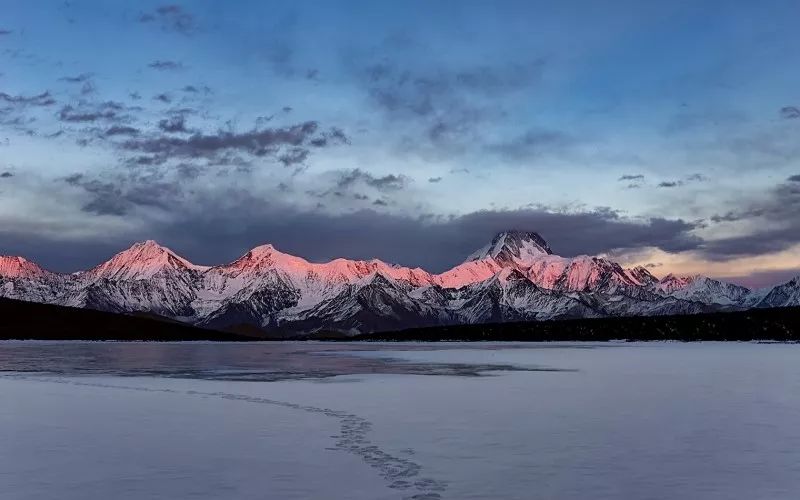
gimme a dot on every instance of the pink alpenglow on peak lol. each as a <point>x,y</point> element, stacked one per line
<point>143,260</point>
<point>12,266</point>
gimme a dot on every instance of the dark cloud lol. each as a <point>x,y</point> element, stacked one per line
<point>163,65</point>
<point>696,178</point>
<point>86,112</point>
<point>43,99</point>
<point>220,235</point>
<point>106,196</point>
<point>120,195</point>
<point>171,18</point>
<point>6,175</point>
<point>116,130</point>
<point>83,77</point>
<point>285,144</point>
<point>772,222</point>
<point>190,88</point>
<point>334,135</point>
<point>446,240</point>
<point>4,32</point>
<point>174,124</point>
<point>631,177</point>
<point>434,179</point>
<point>165,98</point>
<point>790,112</point>
<point>390,182</point>
<point>294,156</point>
<point>794,178</point>
<point>686,180</point>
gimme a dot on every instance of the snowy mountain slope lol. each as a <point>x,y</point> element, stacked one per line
<point>19,267</point>
<point>702,289</point>
<point>785,295</point>
<point>515,277</point>
<point>511,296</point>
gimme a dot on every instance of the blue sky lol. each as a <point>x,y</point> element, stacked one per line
<point>659,133</point>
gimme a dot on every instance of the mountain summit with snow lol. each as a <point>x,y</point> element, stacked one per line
<point>142,261</point>
<point>514,277</point>
<point>513,247</point>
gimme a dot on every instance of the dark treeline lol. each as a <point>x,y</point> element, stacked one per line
<point>28,320</point>
<point>782,324</point>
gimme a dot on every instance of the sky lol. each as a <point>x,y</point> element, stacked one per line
<point>662,134</point>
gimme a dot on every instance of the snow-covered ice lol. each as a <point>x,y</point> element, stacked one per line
<point>394,421</point>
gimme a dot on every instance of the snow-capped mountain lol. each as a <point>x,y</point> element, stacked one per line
<point>702,289</point>
<point>515,277</point>
<point>785,295</point>
<point>19,267</point>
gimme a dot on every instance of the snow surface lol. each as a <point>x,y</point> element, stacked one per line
<point>706,421</point>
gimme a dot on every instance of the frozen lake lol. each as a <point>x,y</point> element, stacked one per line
<point>85,421</point>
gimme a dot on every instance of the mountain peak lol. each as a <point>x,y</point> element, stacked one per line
<point>142,260</point>
<point>12,266</point>
<point>513,247</point>
<point>265,257</point>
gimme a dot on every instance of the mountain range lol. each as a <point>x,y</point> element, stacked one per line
<point>516,277</point>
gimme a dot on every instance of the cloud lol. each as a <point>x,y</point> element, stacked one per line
<point>696,178</point>
<point>106,196</point>
<point>434,179</point>
<point>534,144</point>
<point>163,65</point>
<point>790,112</point>
<point>390,182</point>
<point>165,98</point>
<point>631,177</point>
<point>770,223</point>
<point>293,157</point>
<point>83,77</point>
<point>764,279</point>
<point>285,144</point>
<point>6,175</point>
<point>173,124</point>
<point>86,112</point>
<point>686,180</point>
<point>448,106</point>
<point>794,178</point>
<point>217,225</point>
<point>4,32</point>
<point>218,235</point>
<point>121,194</point>
<point>120,130</point>
<point>43,99</point>
<point>171,18</point>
